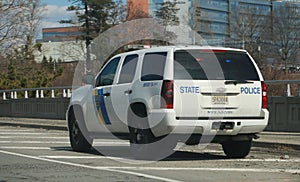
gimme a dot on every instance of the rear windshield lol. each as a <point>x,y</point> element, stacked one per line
<point>218,65</point>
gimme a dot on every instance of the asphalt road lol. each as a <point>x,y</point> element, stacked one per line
<point>31,154</point>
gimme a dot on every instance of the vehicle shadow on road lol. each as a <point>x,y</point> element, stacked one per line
<point>126,153</point>
<point>186,156</point>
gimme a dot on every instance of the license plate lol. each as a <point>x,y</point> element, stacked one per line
<point>219,100</point>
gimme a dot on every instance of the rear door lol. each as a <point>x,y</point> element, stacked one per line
<point>216,83</point>
<point>122,90</point>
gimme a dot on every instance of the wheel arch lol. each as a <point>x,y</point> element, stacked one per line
<point>139,108</point>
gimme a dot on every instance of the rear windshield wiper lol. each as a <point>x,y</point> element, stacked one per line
<point>235,82</point>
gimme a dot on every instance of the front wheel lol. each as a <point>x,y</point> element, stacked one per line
<point>77,139</point>
<point>237,149</point>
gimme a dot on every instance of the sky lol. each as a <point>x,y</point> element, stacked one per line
<point>54,11</point>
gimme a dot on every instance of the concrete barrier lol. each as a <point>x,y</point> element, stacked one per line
<point>284,114</point>
<point>44,108</point>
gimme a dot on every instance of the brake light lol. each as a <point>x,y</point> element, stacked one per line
<point>167,94</point>
<point>264,95</point>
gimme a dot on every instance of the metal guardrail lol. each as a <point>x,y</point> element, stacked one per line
<point>65,92</point>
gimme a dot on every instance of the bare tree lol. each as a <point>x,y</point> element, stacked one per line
<point>286,32</point>
<point>32,17</point>
<point>18,23</point>
<point>11,22</point>
<point>117,13</point>
<point>247,27</point>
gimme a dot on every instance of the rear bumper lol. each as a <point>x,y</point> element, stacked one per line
<point>164,122</point>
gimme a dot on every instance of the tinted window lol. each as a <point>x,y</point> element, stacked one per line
<point>228,65</point>
<point>153,66</point>
<point>107,75</point>
<point>128,69</point>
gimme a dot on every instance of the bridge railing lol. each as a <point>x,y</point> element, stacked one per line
<point>284,110</point>
<point>47,103</point>
<point>50,92</point>
<point>66,91</point>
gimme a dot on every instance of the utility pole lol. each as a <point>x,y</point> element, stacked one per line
<point>87,37</point>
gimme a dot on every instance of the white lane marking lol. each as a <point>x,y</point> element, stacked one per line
<point>28,133</point>
<point>111,143</point>
<point>34,142</point>
<point>71,157</point>
<point>81,157</point>
<point>224,160</point>
<point>262,160</point>
<point>297,171</point>
<point>34,137</point>
<point>27,148</point>
<point>92,167</point>
<point>62,142</point>
<point>15,130</point>
<point>118,169</point>
<point>210,151</point>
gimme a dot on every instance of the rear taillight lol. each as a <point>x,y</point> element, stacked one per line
<point>264,95</point>
<point>167,94</point>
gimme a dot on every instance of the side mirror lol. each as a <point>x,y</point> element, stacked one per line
<point>88,79</point>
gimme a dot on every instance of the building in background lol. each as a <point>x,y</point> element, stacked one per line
<point>147,8</point>
<point>63,51</point>
<point>60,34</point>
<point>212,19</point>
<point>137,9</point>
<point>61,44</point>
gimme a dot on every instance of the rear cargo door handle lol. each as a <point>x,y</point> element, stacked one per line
<point>127,92</point>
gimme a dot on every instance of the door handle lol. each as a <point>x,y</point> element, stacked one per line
<point>127,92</point>
<point>106,94</point>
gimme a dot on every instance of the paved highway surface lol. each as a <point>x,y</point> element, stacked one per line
<point>32,154</point>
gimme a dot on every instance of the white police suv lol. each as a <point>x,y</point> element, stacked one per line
<point>194,94</point>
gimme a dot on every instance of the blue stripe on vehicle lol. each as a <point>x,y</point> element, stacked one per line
<point>103,108</point>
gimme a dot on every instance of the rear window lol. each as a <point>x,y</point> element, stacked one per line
<point>153,66</point>
<point>208,65</point>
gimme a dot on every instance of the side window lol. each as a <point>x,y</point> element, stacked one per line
<point>153,66</point>
<point>106,77</point>
<point>128,69</point>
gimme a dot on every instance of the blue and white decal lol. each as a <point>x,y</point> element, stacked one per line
<point>250,90</point>
<point>100,106</point>
<point>150,84</point>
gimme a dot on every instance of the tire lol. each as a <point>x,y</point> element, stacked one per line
<point>77,139</point>
<point>140,135</point>
<point>143,144</point>
<point>237,149</point>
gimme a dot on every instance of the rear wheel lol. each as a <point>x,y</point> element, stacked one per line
<point>143,144</point>
<point>79,142</point>
<point>237,149</point>
<point>140,135</point>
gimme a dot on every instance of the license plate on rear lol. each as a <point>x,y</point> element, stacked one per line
<point>219,100</point>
